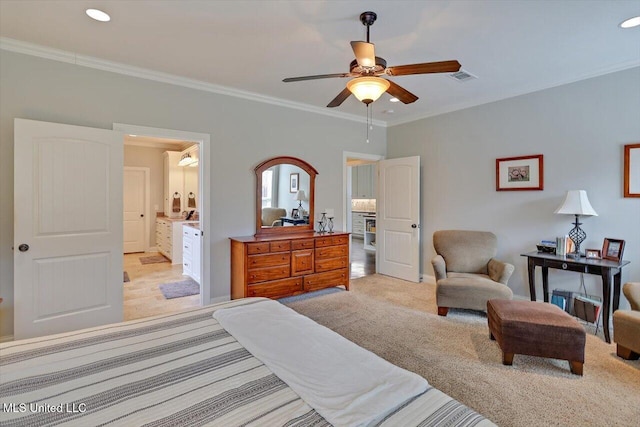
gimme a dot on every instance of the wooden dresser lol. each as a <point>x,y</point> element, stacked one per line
<point>284,265</point>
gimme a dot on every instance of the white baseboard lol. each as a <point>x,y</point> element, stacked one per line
<point>6,338</point>
<point>220,299</point>
<point>428,279</point>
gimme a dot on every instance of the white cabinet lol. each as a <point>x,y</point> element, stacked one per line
<point>369,233</point>
<point>169,238</point>
<point>191,252</point>
<point>357,224</point>
<point>363,182</point>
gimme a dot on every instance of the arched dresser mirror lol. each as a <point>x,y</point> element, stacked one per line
<point>285,189</point>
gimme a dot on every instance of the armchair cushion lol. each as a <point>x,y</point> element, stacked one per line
<point>470,291</point>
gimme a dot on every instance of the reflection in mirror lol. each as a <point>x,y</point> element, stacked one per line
<point>285,196</point>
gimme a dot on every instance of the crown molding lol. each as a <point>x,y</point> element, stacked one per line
<point>32,49</point>
<point>499,97</point>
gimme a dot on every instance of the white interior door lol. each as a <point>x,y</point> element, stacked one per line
<point>134,196</point>
<point>68,227</point>
<point>398,218</point>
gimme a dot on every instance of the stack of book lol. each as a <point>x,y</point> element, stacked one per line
<point>564,246</point>
<point>587,308</point>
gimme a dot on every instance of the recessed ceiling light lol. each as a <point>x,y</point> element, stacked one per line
<point>631,22</point>
<point>394,99</point>
<point>98,15</point>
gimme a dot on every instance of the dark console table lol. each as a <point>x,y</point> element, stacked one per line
<point>610,271</point>
<point>294,221</point>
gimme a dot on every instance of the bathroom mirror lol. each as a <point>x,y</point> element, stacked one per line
<point>285,188</point>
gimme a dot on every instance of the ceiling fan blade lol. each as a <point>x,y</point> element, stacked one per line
<point>425,68</point>
<point>319,76</point>
<point>401,93</point>
<point>340,98</point>
<point>365,53</point>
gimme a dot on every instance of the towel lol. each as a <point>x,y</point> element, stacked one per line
<point>175,207</point>
<point>191,200</point>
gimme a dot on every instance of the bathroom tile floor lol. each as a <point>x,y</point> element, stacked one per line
<point>142,297</point>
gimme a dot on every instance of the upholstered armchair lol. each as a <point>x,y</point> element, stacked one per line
<point>626,324</point>
<point>467,274</point>
<point>271,216</point>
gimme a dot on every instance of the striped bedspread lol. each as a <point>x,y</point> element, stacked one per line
<point>181,369</point>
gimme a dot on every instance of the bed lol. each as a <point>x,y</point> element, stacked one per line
<point>185,369</point>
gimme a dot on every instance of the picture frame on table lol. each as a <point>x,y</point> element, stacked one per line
<point>520,173</point>
<point>632,170</point>
<point>593,253</point>
<point>294,182</point>
<point>295,213</point>
<point>612,249</point>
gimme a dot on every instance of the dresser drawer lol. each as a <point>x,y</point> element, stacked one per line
<point>270,273</point>
<point>331,264</point>
<point>326,280</point>
<point>257,248</point>
<point>301,262</point>
<point>332,240</point>
<point>276,288</point>
<point>280,246</point>
<point>302,244</point>
<point>332,252</point>
<point>268,260</point>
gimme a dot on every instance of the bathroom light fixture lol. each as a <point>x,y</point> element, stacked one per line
<point>631,22</point>
<point>368,89</point>
<point>185,160</point>
<point>98,15</point>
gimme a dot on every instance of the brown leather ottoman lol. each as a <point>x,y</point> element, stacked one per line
<point>536,329</point>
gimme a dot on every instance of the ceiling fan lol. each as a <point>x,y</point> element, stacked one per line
<point>367,85</point>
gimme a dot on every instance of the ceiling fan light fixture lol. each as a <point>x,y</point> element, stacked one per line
<point>394,99</point>
<point>631,22</point>
<point>368,89</point>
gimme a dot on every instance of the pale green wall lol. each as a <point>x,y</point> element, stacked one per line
<point>580,129</point>
<point>243,134</point>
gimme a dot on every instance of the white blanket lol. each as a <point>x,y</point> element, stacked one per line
<point>346,384</point>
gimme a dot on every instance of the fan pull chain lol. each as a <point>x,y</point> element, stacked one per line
<point>368,121</point>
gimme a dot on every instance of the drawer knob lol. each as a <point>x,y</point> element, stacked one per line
<point>564,265</point>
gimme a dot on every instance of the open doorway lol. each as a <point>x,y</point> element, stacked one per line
<point>175,221</point>
<point>161,227</point>
<point>360,213</point>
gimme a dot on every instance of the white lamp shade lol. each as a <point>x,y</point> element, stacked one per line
<point>368,89</point>
<point>576,203</point>
<point>300,195</point>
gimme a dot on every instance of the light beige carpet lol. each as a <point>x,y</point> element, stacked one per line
<point>397,320</point>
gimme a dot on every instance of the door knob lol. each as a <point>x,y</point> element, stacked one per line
<point>414,226</point>
<point>23,247</point>
<point>141,215</point>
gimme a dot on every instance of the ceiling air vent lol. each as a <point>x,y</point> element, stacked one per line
<point>462,76</point>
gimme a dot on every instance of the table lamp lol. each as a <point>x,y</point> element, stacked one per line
<point>577,203</point>
<point>300,197</point>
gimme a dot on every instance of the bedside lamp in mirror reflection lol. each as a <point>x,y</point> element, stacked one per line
<point>300,197</point>
<point>577,203</point>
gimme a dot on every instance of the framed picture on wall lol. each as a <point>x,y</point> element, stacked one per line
<point>294,182</point>
<point>632,170</point>
<point>612,249</point>
<point>520,173</point>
